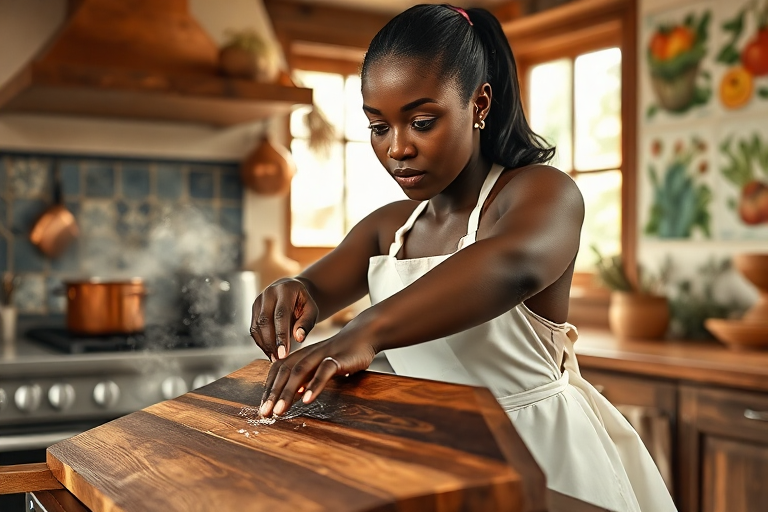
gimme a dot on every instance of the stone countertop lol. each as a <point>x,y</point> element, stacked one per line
<point>706,362</point>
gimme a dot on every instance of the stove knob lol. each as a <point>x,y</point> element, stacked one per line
<point>202,380</point>
<point>27,398</point>
<point>173,386</point>
<point>61,396</point>
<point>106,394</point>
<point>3,399</point>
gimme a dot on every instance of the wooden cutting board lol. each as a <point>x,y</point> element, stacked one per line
<point>370,442</point>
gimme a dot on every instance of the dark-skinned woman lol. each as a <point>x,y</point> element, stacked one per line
<point>469,279</point>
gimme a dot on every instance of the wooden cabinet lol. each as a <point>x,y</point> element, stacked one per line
<point>723,450</point>
<point>650,405</point>
<point>710,443</point>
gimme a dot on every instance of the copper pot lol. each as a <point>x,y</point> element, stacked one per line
<point>56,228</point>
<point>96,307</point>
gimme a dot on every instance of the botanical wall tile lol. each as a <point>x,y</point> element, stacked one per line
<point>99,179</point>
<point>676,64</point>
<point>3,253</point>
<point>30,293</point>
<point>30,177</point>
<point>135,180</point>
<point>25,213</point>
<point>677,189</point>
<point>232,219</point>
<point>70,178</point>
<point>170,181</point>
<point>742,165</point>
<point>231,186</point>
<point>741,49</point>
<point>201,183</point>
<point>27,257</point>
<point>98,217</point>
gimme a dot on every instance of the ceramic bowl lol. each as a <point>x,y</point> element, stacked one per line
<point>738,334</point>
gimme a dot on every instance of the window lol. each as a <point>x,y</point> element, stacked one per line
<point>334,189</point>
<point>575,103</point>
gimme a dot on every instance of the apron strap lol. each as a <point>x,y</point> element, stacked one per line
<point>519,400</point>
<point>395,246</point>
<point>474,217</point>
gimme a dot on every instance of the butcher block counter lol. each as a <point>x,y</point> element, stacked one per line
<point>369,442</point>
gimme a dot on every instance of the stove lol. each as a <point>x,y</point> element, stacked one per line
<point>54,384</point>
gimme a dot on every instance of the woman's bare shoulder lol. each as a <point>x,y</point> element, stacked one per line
<point>542,181</point>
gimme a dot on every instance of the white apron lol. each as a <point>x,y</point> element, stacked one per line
<point>585,447</point>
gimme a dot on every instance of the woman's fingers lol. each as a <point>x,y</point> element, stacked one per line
<point>256,330</point>
<point>329,368</point>
<point>305,312</point>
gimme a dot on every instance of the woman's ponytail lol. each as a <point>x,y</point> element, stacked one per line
<point>507,138</point>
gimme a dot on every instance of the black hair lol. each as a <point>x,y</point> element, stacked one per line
<point>441,38</point>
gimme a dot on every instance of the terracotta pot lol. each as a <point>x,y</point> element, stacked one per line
<point>96,307</point>
<point>638,315</point>
<point>754,267</point>
<point>237,62</point>
<point>268,170</point>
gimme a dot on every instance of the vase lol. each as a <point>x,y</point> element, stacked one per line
<point>273,264</point>
<point>268,170</point>
<point>638,315</point>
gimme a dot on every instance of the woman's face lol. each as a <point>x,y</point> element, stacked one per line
<point>421,128</point>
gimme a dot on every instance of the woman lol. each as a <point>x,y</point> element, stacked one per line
<point>469,279</point>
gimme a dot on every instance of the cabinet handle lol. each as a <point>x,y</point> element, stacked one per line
<point>756,415</point>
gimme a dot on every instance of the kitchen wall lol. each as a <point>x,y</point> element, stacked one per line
<point>117,151</point>
<point>137,217</point>
<point>683,137</point>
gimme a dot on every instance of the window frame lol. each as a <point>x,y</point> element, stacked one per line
<point>566,32</point>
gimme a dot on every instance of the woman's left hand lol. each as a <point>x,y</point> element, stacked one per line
<point>312,367</point>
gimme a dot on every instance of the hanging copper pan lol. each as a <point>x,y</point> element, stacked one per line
<point>56,228</point>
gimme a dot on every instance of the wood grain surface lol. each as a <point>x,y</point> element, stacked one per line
<point>371,442</point>
<point>27,477</point>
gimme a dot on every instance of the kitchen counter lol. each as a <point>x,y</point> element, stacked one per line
<point>706,362</point>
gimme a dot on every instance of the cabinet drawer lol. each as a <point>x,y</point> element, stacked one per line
<point>634,391</point>
<point>739,414</point>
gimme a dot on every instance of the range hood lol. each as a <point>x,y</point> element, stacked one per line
<point>140,59</point>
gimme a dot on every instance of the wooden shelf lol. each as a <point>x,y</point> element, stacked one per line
<point>54,88</point>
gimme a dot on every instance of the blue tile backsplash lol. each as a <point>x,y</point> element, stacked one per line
<point>136,217</point>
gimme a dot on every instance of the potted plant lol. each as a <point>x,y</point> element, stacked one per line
<point>635,311</point>
<point>245,54</point>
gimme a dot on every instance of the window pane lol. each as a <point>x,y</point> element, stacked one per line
<point>327,95</point>
<point>602,220</point>
<point>369,186</point>
<point>550,107</point>
<point>317,217</point>
<point>356,122</point>
<point>597,94</point>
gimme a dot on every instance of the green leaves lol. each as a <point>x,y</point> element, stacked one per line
<point>729,54</point>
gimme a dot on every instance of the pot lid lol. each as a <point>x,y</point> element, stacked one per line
<point>144,59</point>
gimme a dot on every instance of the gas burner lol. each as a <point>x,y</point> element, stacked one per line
<point>153,338</point>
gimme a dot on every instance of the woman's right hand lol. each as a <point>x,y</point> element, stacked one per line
<point>282,312</point>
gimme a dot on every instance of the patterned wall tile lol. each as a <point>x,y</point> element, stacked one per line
<point>56,298</point>
<point>201,183</point>
<point>25,213</point>
<point>99,179</point>
<point>170,181</point>
<point>134,217</point>
<point>231,186</point>
<point>27,257</point>
<point>70,178</point>
<point>232,219</point>
<point>98,217</point>
<point>135,180</point>
<point>30,177</point>
<point>30,294</point>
